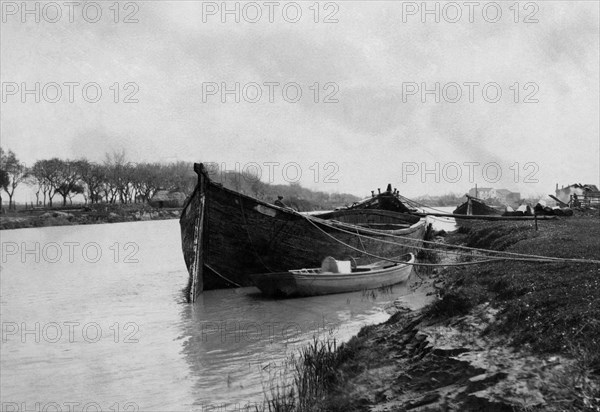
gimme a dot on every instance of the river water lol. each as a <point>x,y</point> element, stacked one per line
<point>93,319</point>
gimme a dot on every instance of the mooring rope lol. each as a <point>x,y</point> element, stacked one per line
<point>501,255</point>
<point>418,204</point>
<point>399,237</point>
<point>221,276</point>
<point>400,261</point>
<point>472,249</point>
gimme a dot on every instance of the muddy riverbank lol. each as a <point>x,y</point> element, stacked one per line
<point>499,337</point>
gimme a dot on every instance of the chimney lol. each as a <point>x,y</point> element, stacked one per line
<point>389,188</point>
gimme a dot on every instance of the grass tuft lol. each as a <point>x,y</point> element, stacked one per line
<point>314,372</point>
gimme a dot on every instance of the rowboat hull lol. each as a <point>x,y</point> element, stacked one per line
<point>290,284</point>
<point>226,236</point>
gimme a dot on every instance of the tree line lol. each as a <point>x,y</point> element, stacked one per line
<point>117,180</point>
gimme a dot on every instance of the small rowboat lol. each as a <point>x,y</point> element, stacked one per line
<point>334,277</point>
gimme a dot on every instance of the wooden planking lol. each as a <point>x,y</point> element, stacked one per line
<point>245,236</point>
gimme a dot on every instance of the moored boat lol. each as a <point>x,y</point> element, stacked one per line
<point>226,236</point>
<point>476,207</point>
<point>329,279</point>
<point>387,200</point>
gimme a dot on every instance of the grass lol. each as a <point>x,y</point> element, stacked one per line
<point>373,294</point>
<point>549,306</point>
<point>314,373</point>
<point>580,388</point>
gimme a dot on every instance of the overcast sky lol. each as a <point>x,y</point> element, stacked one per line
<point>376,129</point>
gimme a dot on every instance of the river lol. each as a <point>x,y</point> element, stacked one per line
<point>93,319</point>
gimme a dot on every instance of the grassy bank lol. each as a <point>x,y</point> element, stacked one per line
<point>508,336</point>
<point>548,306</point>
<point>91,214</point>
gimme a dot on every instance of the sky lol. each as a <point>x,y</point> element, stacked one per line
<point>511,93</point>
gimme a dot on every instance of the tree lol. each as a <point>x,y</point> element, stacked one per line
<point>46,174</point>
<point>69,178</point>
<point>94,177</point>
<point>77,189</point>
<point>4,181</point>
<point>146,180</point>
<point>15,171</point>
<point>118,175</point>
<point>178,176</point>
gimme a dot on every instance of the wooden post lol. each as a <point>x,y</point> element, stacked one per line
<point>535,219</point>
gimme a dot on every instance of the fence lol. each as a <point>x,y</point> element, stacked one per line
<point>588,199</point>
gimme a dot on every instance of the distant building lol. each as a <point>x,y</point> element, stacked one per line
<point>483,193</point>
<point>498,196</point>
<point>582,191</point>
<point>167,198</point>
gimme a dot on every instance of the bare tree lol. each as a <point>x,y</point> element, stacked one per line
<point>146,180</point>
<point>46,174</point>
<point>117,171</point>
<point>94,177</point>
<point>77,189</point>
<point>14,170</point>
<point>4,181</point>
<point>69,178</point>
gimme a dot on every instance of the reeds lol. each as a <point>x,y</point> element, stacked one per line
<point>313,373</point>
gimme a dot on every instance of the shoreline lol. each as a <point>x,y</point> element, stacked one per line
<point>513,336</point>
<point>91,214</point>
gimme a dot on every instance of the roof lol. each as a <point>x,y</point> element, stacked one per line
<point>163,195</point>
<point>591,187</point>
<point>505,191</point>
